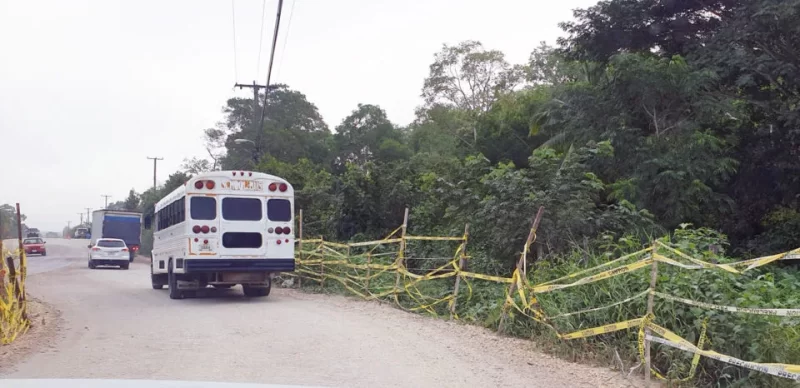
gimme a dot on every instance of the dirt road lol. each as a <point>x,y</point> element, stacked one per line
<point>113,325</point>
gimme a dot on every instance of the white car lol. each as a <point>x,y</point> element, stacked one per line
<point>109,251</point>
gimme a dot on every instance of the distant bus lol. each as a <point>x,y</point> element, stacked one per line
<point>223,228</point>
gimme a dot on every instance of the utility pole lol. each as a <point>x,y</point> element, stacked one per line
<point>256,87</point>
<point>257,113</point>
<point>81,214</point>
<point>155,163</point>
<point>106,196</point>
<point>88,219</point>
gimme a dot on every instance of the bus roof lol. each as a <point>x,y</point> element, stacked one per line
<point>223,180</point>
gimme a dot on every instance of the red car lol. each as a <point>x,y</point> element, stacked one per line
<point>34,246</point>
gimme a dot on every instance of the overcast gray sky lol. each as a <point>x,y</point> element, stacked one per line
<point>89,89</point>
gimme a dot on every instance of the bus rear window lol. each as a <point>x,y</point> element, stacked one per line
<point>241,209</point>
<point>279,210</point>
<point>241,240</point>
<point>203,208</point>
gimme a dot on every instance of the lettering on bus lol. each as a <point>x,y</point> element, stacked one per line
<point>243,185</point>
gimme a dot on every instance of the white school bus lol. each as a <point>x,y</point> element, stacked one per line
<point>223,228</point>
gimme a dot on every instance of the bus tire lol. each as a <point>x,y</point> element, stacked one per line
<point>172,279</point>
<point>257,291</point>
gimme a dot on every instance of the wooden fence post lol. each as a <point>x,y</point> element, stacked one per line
<point>462,261</point>
<point>321,261</point>
<point>23,267</point>
<point>401,255</point>
<point>521,264</point>
<point>300,247</point>
<point>650,302</point>
<point>369,270</point>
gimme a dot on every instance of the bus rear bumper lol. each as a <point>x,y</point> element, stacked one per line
<point>238,265</point>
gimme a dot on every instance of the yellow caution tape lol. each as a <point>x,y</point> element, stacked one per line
<point>432,238</point>
<point>748,310</point>
<point>497,279</point>
<point>667,260</point>
<point>603,329</point>
<point>637,296</point>
<point>788,371</point>
<point>705,264</point>
<point>695,360</point>
<point>600,276</point>
<point>607,264</point>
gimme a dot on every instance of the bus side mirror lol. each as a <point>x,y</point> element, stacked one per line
<point>148,222</point>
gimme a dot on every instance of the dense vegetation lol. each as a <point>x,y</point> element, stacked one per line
<point>647,116</point>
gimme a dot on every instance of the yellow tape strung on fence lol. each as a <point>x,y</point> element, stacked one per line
<point>498,279</point>
<point>600,276</point>
<point>637,296</point>
<point>433,238</point>
<point>667,260</point>
<point>747,310</point>
<point>12,320</point>
<point>705,264</point>
<point>377,242</point>
<point>603,329</point>
<point>612,262</point>
<point>695,359</point>
<point>671,339</point>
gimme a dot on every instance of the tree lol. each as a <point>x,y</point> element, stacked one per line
<point>366,135</point>
<point>469,77</point>
<point>196,165</point>
<point>132,202</point>
<point>666,27</point>
<point>8,221</point>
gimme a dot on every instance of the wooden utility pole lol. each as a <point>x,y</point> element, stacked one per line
<point>88,219</point>
<point>81,214</point>
<point>256,87</point>
<point>155,163</point>
<point>106,196</point>
<point>257,114</point>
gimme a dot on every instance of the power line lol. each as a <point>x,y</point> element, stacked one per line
<point>269,69</point>
<point>106,196</point>
<point>233,22</point>
<point>286,38</point>
<point>261,34</point>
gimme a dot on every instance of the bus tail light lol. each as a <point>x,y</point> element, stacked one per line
<point>198,185</point>
<point>205,241</point>
<point>279,242</point>
<point>278,230</point>
<point>286,230</point>
<point>204,229</point>
<point>282,187</point>
<point>196,229</point>
<point>273,187</point>
<point>270,230</point>
<point>213,229</point>
<point>209,185</point>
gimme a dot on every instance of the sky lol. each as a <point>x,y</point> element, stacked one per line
<point>90,89</point>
